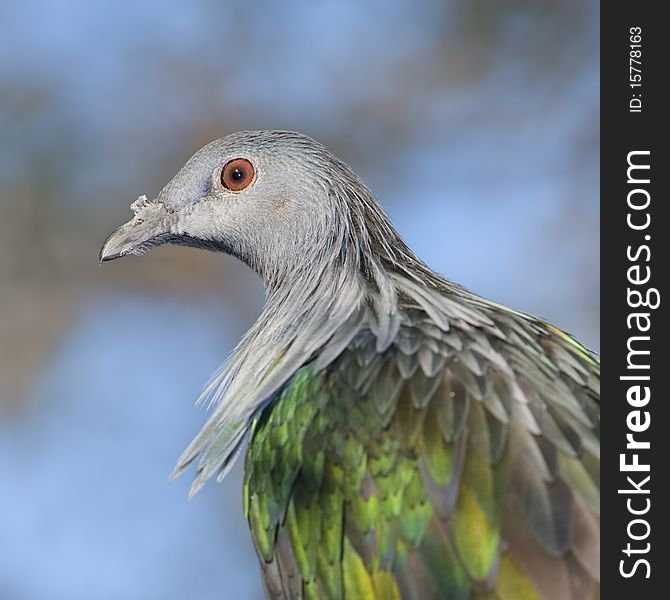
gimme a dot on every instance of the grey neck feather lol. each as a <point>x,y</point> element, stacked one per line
<point>353,278</point>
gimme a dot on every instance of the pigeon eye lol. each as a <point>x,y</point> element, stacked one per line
<point>237,174</point>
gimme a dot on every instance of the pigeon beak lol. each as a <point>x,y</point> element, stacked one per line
<point>150,227</point>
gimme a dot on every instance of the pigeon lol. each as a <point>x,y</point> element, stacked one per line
<point>405,438</point>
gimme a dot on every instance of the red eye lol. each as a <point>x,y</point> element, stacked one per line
<point>237,174</point>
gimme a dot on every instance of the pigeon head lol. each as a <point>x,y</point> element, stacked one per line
<point>269,198</point>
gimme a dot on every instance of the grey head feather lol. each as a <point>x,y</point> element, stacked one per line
<point>332,263</point>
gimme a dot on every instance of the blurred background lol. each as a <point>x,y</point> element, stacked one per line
<point>495,104</point>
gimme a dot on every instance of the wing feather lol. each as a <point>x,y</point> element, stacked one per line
<point>460,462</point>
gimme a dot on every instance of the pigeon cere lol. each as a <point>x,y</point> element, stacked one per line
<point>404,438</point>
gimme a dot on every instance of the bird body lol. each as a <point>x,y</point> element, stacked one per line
<point>459,462</point>
<point>405,437</point>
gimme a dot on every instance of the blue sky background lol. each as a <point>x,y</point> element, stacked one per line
<point>495,106</point>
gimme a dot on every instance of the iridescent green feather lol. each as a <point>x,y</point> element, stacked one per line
<point>457,485</point>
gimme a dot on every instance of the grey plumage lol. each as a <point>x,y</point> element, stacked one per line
<point>348,254</point>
